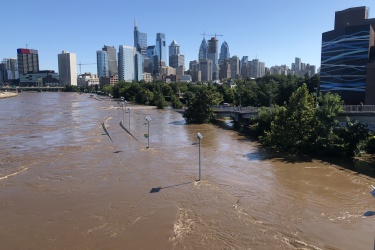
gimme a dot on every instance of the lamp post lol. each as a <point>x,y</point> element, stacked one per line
<point>239,96</point>
<point>200,137</point>
<point>148,119</point>
<point>129,117</point>
<point>123,107</point>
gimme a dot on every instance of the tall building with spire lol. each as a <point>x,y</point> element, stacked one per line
<point>203,50</point>
<point>140,40</point>
<point>224,52</point>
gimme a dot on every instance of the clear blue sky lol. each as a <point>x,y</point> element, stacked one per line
<point>273,31</point>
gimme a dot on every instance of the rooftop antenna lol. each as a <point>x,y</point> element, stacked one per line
<point>204,35</point>
<point>26,45</point>
<point>135,23</point>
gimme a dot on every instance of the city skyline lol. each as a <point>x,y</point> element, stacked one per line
<point>289,30</point>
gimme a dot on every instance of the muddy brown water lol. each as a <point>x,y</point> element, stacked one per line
<point>65,185</point>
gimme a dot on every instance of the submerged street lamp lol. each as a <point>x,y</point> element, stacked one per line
<point>123,107</point>
<point>148,119</point>
<point>129,117</point>
<point>200,137</point>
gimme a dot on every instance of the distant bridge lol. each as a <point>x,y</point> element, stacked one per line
<point>32,88</point>
<point>365,114</point>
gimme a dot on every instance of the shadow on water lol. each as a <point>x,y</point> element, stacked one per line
<point>157,189</point>
<point>182,122</point>
<point>118,151</point>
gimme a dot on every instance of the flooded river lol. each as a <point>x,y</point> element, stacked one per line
<point>65,185</point>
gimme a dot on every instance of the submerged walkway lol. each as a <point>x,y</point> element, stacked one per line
<point>7,94</point>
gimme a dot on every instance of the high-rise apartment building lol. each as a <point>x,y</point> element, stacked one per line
<point>112,60</point>
<point>243,66</point>
<point>234,67</point>
<point>205,67</point>
<point>225,69</point>
<point>126,67</point>
<point>67,63</point>
<point>140,40</point>
<point>255,69</point>
<point>212,54</point>
<point>224,52</point>
<point>28,60</point>
<point>346,59</point>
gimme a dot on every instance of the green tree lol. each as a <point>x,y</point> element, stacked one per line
<point>175,102</point>
<point>159,100</point>
<point>326,140</point>
<point>293,129</point>
<point>199,109</point>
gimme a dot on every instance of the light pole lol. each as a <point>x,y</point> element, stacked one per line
<point>123,107</point>
<point>239,96</point>
<point>200,137</point>
<point>129,117</point>
<point>148,119</point>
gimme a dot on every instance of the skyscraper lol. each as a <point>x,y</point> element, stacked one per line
<point>212,54</point>
<point>202,50</point>
<point>9,70</point>
<point>224,52</point>
<point>175,58</point>
<point>174,48</point>
<point>28,61</point>
<point>255,69</point>
<point>140,40</point>
<point>234,67</point>
<point>112,61</point>
<point>102,64</point>
<point>297,64</point>
<point>161,48</point>
<point>346,56</point>
<point>138,62</point>
<point>126,67</point>
<point>205,66</point>
<point>67,68</point>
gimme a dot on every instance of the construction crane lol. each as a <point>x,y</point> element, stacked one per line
<point>204,35</point>
<point>80,66</point>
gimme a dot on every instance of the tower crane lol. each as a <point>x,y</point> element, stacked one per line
<point>80,66</point>
<point>204,35</point>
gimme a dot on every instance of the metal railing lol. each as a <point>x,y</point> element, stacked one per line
<point>347,108</point>
<point>359,108</point>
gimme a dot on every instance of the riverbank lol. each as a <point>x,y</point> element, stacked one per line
<point>7,94</point>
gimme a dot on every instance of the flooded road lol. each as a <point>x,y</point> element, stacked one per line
<point>65,185</point>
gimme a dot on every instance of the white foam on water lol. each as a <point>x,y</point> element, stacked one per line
<point>16,173</point>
